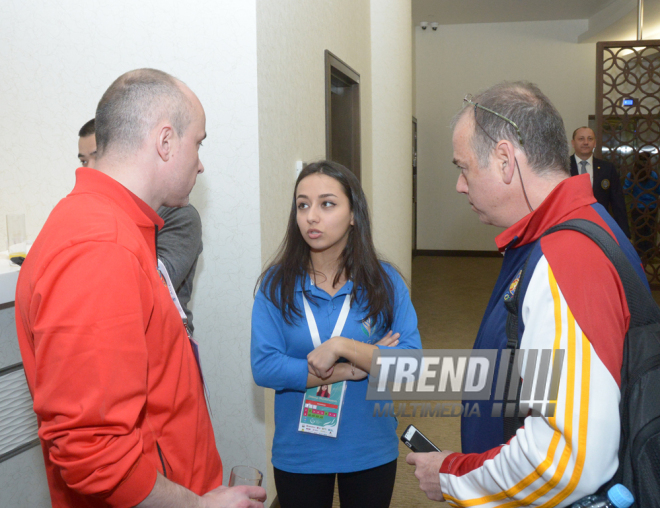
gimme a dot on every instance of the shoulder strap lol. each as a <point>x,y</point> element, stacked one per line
<point>511,421</point>
<point>643,309</point>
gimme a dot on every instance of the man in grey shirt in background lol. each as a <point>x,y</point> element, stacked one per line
<point>179,243</point>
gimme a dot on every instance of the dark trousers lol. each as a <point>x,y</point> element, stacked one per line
<point>369,488</point>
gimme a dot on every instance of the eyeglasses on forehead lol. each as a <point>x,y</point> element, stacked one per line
<point>468,99</point>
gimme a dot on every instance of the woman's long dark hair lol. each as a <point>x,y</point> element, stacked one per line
<point>358,261</point>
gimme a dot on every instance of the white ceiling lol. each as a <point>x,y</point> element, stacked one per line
<point>607,19</point>
<point>449,12</point>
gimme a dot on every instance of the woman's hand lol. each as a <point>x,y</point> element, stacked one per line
<point>390,340</point>
<point>321,360</point>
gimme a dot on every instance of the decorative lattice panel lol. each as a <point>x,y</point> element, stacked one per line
<point>628,135</point>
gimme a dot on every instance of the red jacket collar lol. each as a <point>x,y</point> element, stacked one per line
<point>571,194</point>
<point>91,180</point>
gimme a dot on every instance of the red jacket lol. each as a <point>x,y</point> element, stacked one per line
<point>115,384</point>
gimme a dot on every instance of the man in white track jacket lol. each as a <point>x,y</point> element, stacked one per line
<point>511,149</point>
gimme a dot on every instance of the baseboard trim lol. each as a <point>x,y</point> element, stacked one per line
<point>460,253</point>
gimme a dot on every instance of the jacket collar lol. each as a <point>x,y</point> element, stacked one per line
<point>571,194</point>
<point>90,180</point>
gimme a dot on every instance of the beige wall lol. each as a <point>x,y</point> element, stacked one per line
<point>292,36</point>
<point>391,75</point>
<point>461,59</point>
<point>414,69</point>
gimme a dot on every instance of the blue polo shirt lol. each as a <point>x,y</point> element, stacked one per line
<point>279,361</point>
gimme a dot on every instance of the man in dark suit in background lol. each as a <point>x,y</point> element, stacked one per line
<point>604,176</point>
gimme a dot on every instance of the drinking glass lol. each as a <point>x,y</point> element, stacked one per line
<point>245,475</point>
<point>16,237</point>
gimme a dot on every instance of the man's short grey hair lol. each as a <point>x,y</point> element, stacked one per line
<point>134,105</point>
<point>541,126</point>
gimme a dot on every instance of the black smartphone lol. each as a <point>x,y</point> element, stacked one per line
<point>417,441</point>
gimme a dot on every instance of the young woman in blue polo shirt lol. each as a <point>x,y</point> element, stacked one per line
<point>327,288</point>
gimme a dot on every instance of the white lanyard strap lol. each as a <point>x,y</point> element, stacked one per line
<point>341,321</point>
<point>193,343</point>
<point>170,287</point>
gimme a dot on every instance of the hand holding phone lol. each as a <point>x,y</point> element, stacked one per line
<point>417,441</point>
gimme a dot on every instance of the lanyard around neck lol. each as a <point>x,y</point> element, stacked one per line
<point>170,287</point>
<point>341,321</point>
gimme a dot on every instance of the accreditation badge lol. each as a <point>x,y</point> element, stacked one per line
<point>321,409</point>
